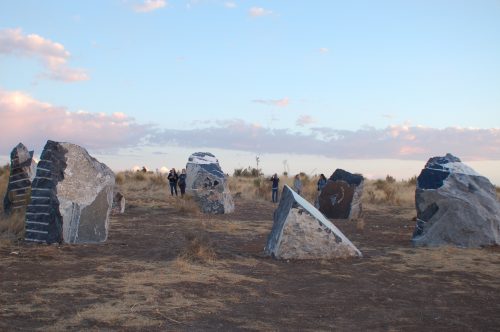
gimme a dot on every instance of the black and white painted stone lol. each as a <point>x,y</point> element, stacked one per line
<point>71,197</point>
<point>455,206</point>
<point>300,231</point>
<point>341,196</point>
<point>206,182</point>
<point>118,203</point>
<point>22,170</point>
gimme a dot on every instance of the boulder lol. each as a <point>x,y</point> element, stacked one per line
<point>341,196</point>
<point>71,197</point>
<point>22,170</point>
<point>206,182</point>
<point>455,206</point>
<point>118,203</point>
<point>300,231</point>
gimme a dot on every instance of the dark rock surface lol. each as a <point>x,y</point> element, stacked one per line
<point>455,205</point>
<point>207,183</point>
<point>341,196</point>
<point>22,169</point>
<point>71,199</point>
<point>118,203</point>
<point>300,231</point>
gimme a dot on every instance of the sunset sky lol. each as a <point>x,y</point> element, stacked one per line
<point>375,87</point>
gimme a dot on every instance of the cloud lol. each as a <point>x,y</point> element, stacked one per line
<point>259,12</point>
<point>304,120</point>
<point>230,4</point>
<point>393,142</point>
<point>27,120</point>
<point>273,102</point>
<point>324,50</point>
<point>53,55</point>
<point>150,5</point>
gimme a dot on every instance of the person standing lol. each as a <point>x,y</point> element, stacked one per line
<point>182,182</point>
<point>321,182</point>
<point>172,179</point>
<point>297,184</point>
<point>276,180</point>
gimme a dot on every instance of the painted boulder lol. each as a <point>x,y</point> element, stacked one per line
<point>300,231</point>
<point>206,182</point>
<point>71,197</point>
<point>22,170</point>
<point>455,206</point>
<point>341,196</point>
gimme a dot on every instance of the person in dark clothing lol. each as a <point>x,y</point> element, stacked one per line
<point>276,180</point>
<point>172,179</point>
<point>182,182</point>
<point>321,182</point>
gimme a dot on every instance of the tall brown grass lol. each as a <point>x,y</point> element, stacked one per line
<point>199,248</point>
<point>12,226</point>
<point>390,191</point>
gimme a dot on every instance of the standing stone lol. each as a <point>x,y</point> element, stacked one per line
<point>71,198</point>
<point>341,196</point>
<point>22,170</point>
<point>300,231</point>
<point>455,205</point>
<point>207,183</point>
<point>118,203</point>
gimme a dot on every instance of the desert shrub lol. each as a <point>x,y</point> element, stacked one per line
<point>498,193</point>
<point>120,178</point>
<point>390,179</point>
<point>140,176</point>
<point>247,172</point>
<point>12,226</point>
<point>199,248</point>
<point>4,169</point>
<point>186,205</point>
<point>412,181</point>
<point>157,179</point>
<point>392,193</point>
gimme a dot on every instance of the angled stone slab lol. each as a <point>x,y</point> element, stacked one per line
<point>455,206</point>
<point>341,196</point>
<point>300,231</point>
<point>71,199</point>
<point>206,182</point>
<point>22,170</point>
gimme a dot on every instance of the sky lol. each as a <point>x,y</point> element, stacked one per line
<point>375,87</point>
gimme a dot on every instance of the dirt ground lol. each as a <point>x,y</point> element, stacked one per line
<point>143,279</point>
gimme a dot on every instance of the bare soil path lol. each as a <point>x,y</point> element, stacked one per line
<point>165,270</point>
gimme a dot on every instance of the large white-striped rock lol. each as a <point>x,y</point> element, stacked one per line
<point>22,170</point>
<point>71,197</point>
<point>455,206</point>
<point>300,231</point>
<point>207,183</point>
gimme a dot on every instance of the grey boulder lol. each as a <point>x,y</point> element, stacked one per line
<point>71,199</point>
<point>118,203</point>
<point>455,206</point>
<point>300,231</point>
<point>22,170</point>
<point>341,196</point>
<point>206,182</point>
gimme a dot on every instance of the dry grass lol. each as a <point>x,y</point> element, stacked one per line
<point>185,205</point>
<point>389,192</point>
<point>147,189</point>
<point>199,248</point>
<point>498,192</point>
<point>11,227</point>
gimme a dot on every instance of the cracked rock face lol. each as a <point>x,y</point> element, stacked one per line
<point>341,196</point>
<point>206,182</point>
<point>72,196</point>
<point>455,206</point>
<point>300,231</point>
<point>22,170</point>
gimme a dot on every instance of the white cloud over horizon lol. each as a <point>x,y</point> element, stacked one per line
<point>27,120</point>
<point>53,55</point>
<point>32,122</point>
<point>150,5</point>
